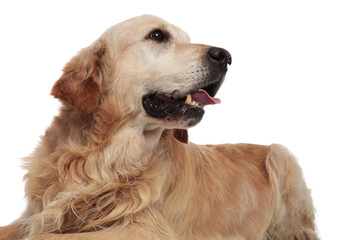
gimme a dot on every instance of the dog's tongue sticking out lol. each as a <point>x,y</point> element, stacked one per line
<point>201,98</point>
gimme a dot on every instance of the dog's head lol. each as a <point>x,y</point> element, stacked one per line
<point>153,71</point>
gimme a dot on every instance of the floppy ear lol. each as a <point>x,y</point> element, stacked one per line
<point>80,84</point>
<point>181,135</point>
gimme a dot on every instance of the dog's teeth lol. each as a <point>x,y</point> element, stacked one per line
<point>188,99</point>
<point>195,104</point>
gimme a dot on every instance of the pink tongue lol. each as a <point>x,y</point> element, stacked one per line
<point>203,98</point>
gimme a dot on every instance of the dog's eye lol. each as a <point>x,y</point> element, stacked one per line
<point>157,35</point>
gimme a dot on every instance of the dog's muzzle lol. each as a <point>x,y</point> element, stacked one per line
<point>189,105</point>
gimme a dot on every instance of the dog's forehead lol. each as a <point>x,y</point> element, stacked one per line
<point>139,27</point>
<point>150,22</point>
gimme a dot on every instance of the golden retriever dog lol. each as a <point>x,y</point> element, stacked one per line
<point>116,162</point>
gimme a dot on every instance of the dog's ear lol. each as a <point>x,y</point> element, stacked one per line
<point>80,84</point>
<point>181,135</point>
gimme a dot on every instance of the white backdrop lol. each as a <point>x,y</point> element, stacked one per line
<point>294,80</point>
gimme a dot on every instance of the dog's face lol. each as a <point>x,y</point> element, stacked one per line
<point>153,69</point>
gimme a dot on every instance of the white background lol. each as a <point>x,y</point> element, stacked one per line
<point>294,80</point>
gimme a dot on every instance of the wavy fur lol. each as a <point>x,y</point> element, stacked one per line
<point>106,170</point>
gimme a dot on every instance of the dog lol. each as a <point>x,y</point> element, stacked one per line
<point>116,162</point>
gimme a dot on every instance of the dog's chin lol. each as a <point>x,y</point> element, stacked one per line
<point>182,111</point>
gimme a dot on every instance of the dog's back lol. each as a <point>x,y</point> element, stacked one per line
<point>252,191</point>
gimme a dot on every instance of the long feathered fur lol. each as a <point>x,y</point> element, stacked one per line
<point>99,173</point>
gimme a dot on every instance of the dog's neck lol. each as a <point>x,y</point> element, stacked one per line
<point>134,149</point>
<point>112,147</point>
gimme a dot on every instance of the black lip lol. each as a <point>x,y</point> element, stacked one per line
<point>162,107</point>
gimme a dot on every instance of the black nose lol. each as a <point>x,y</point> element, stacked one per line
<point>219,56</point>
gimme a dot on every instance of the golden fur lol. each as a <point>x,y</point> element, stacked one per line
<point>106,170</point>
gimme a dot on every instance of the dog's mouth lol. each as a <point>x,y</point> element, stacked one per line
<point>186,107</point>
